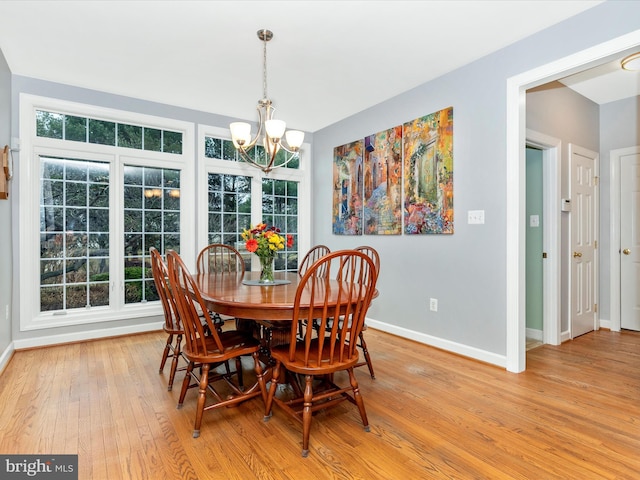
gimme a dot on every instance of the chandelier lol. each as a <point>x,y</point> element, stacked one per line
<point>270,131</point>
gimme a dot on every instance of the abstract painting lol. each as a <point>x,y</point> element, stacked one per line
<point>383,182</point>
<point>428,173</point>
<point>347,188</point>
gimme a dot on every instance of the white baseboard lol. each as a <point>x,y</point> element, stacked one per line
<point>458,348</point>
<point>87,335</point>
<point>534,334</point>
<point>6,356</point>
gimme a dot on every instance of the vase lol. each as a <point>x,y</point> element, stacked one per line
<point>266,269</point>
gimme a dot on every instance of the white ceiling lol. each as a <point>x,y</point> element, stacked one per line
<point>327,61</point>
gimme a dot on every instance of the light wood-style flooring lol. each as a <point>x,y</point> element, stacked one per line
<point>574,414</point>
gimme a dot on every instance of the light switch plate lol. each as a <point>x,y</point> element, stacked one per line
<point>475,217</point>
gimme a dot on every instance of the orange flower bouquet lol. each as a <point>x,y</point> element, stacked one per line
<point>265,242</point>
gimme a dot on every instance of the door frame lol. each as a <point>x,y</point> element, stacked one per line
<point>516,120</point>
<point>551,232</point>
<point>614,234</point>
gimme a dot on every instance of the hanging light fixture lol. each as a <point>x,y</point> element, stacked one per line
<point>271,132</point>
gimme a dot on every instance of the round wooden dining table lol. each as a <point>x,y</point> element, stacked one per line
<point>230,294</point>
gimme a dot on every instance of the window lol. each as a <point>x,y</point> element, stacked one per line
<point>106,186</point>
<point>151,219</point>
<point>280,208</point>
<point>74,234</point>
<point>103,132</point>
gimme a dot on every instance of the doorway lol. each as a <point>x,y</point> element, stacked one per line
<point>515,179</point>
<point>625,252</point>
<point>534,248</point>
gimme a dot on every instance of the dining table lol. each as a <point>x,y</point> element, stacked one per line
<point>265,308</point>
<point>241,295</point>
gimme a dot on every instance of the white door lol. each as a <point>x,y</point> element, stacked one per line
<point>584,227</point>
<point>630,241</point>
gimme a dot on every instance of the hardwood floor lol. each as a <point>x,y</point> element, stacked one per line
<point>574,414</point>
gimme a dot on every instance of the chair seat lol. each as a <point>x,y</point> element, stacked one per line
<point>234,343</point>
<point>326,366</point>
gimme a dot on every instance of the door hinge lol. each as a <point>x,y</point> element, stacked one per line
<point>595,307</point>
<point>544,254</point>
<point>595,244</point>
<point>596,180</point>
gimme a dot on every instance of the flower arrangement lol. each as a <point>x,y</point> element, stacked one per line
<point>265,242</point>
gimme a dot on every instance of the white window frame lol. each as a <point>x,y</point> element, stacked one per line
<point>211,165</point>
<point>32,147</point>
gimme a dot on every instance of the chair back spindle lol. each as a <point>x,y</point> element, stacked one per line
<point>219,258</point>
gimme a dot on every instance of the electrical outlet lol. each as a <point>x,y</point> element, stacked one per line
<point>433,304</point>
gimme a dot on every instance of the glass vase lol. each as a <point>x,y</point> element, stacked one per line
<point>266,269</point>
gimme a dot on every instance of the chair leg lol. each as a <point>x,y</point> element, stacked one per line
<point>367,358</point>
<point>260,376</point>
<point>185,384</point>
<point>174,362</point>
<point>306,414</point>
<point>272,391</point>
<point>358,398</point>
<point>202,396</point>
<point>239,373</point>
<point>165,354</point>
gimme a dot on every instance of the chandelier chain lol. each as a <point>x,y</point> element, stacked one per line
<point>264,69</point>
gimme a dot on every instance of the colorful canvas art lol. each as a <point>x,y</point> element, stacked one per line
<point>428,173</point>
<point>383,182</point>
<point>347,188</point>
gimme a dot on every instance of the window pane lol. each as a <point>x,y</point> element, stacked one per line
<point>228,150</point>
<point>76,194</point>
<point>99,294</point>
<point>212,147</point>
<point>82,231</point>
<point>129,136</point>
<point>152,139</point>
<point>75,128</point>
<point>49,124</point>
<point>172,142</point>
<point>102,132</point>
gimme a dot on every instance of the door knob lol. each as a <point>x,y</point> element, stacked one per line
<point>626,251</point>
<point>576,254</point>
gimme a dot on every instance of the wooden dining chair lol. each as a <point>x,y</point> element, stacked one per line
<point>172,325</point>
<point>309,259</point>
<point>373,254</point>
<point>322,356</point>
<point>312,255</point>
<point>219,258</point>
<point>362,344</point>
<point>210,350</point>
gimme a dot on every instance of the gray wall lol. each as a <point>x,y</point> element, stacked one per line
<point>466,270</point>
<point>5,210</point>
<point>559,112</point>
